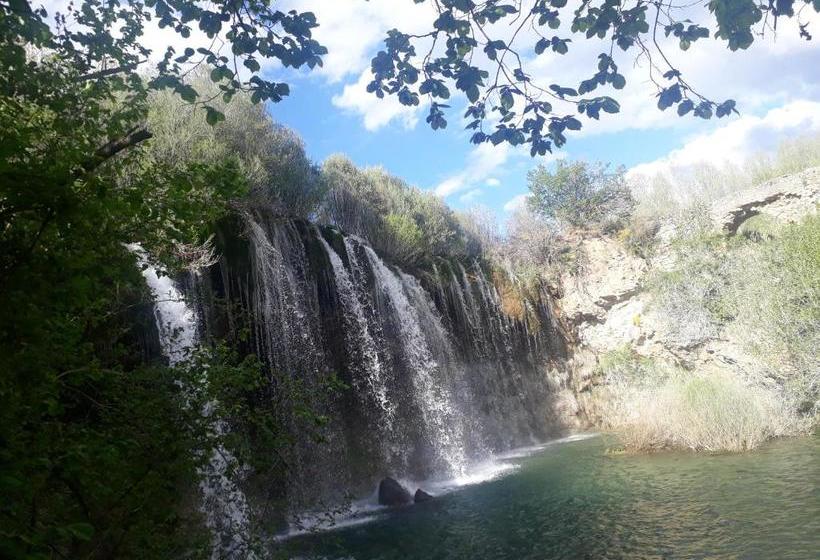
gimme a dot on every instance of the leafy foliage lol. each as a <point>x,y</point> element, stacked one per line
<point>270,157</point>
<point>401,222</point>
<point>581,195</point>
<point>469,51</point>
<point>98,448</point>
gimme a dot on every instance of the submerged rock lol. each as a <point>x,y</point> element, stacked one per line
<point>391,493</point>
<point>421,496</point>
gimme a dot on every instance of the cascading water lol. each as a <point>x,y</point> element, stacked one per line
<point>223,503</point>
<point>440,416</point>
<point>438,376</point>
<point>360,340</point>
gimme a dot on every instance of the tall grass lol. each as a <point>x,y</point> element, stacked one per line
<point>652,406</point>
<point>668,194</point>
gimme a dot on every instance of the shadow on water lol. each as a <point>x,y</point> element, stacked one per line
<point>574,501</point>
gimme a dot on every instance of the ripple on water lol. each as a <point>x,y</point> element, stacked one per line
<point>576,501</point>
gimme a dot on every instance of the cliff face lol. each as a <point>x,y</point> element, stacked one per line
<point>606,304</point>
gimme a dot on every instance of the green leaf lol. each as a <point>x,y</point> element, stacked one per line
<point>685,107</point>
<point>252,65</point>
<point>213,116</point>
<point>186,92</point>
<point>81,531</point>
<point>507,100</point>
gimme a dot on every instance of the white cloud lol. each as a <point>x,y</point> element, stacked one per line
<point>736,141</point>
<point>492,182</point>
<point>774,70</point>
<point>470,196</point>
<point>516,203</point>
<point>352,30</point>
<point>375,112</point>
<point>484,160</point>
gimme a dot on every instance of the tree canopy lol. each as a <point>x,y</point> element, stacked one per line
<point>580,194</point>
<point>482,49</point>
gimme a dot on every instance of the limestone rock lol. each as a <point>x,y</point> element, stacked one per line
<point>785,199</point>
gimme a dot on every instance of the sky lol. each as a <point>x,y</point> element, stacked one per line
<point>776,84</point>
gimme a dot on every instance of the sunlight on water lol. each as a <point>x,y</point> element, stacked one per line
<point>368,510</point>
<point>574,499</point>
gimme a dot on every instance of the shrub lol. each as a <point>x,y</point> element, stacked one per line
<point>401,222</point>
<point>774,299</point>
<point>688,298</point>
<point>581,195</point>
<point>638,236</point>
<point>271,157</point>
<point>650,405</point>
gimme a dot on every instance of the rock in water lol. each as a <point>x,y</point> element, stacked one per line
<point>421,496</point>
<point>391,493</point>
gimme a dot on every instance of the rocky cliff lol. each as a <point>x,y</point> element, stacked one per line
<point>607,307</point>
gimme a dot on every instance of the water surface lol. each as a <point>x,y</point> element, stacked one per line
<point>575,500</point>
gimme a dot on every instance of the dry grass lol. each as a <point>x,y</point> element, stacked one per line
<point>651,406</point>
<point>666,195</point>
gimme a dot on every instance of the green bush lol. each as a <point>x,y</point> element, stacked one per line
<point>401,222</point>
<point>688,298</point>
<point>271,157</point>
<point>651,405</point>
<point>581,195</point>
<point>774,299</point>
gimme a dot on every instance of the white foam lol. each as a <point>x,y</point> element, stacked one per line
<point>367,510</point>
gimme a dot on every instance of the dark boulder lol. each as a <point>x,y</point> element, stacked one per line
<point>421,496</point>
<point>391,493</point>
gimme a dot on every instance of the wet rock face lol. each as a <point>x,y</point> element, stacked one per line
<point>391,493</point>
<point>421,496</point>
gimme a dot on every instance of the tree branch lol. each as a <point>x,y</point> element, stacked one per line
<point>131,138</point>
<point>107,72</point>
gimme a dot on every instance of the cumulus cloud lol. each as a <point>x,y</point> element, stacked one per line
<point>375,112</point>
<point>353,30</point>
<point>772,71</point>
<point>482,162</point>
<point>492,182</point>
<point>516,203</point>
<point>737,140</point>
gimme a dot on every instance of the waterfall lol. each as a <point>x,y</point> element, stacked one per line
<point>437,376</point>
<point>223,503</point>
<point>440,417</point>
<point>359,337</point>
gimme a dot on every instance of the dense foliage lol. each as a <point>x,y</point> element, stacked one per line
<point>98,447</point>
<point>403,223</point>
<point>579,194</point>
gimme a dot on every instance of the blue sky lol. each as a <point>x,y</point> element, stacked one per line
<point>425,158</point>
<point>776,84</point>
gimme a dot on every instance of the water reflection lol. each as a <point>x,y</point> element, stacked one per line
<point>575,500</point>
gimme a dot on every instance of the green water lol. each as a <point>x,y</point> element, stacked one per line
<point>575,501</point>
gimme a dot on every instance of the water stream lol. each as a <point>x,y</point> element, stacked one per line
<point>223,505</point>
